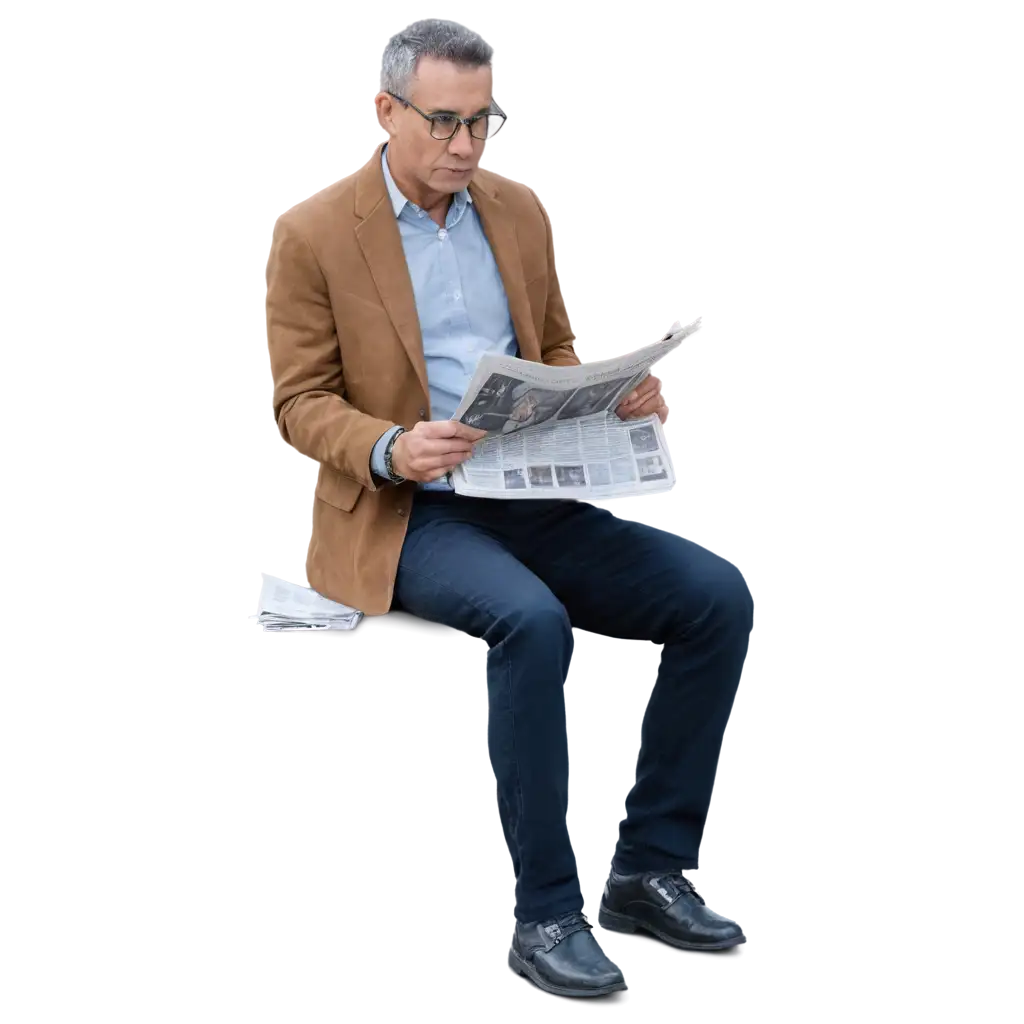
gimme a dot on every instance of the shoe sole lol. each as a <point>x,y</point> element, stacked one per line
<point>521,966</point>
<point>616,922</point>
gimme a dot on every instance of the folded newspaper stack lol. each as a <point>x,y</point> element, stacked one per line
<point>284,605</point>
<point>552,431</point>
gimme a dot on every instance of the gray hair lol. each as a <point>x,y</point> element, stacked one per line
<point>432,37</point>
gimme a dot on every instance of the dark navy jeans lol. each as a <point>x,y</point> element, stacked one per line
<point>521,574</point>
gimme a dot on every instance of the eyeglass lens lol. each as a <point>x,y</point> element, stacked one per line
<point>443,127</point>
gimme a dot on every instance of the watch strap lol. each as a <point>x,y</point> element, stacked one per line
<point>394,477</point>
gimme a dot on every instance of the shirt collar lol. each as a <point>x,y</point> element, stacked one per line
<point>398,201</point>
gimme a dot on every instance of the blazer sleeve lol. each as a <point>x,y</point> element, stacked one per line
<point>556,342</point>
<point>305,360</point>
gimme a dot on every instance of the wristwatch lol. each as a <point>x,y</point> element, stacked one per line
<point>392,475</point>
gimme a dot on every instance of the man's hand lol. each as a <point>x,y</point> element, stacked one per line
<point>432,448</point>
<point>643,401</point>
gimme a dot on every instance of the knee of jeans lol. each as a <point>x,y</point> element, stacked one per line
<point>725,597</point>
<point>543,621</point>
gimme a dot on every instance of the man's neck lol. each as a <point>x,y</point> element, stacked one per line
<point>435,204</point>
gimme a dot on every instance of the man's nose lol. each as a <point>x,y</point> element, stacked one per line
<point>462,143</point>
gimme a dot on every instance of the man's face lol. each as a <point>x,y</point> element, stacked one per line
<point>440,87</point>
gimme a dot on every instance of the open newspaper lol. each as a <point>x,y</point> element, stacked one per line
<point>285,606</point>
<point>553,431</point>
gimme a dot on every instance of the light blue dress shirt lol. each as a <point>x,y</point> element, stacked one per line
<point>460,301</point>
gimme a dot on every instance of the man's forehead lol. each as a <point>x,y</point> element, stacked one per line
<point>442,86</point>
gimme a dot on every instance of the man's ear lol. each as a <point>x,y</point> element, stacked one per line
<point>385,108</point>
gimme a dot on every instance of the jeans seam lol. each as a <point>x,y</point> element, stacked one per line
<point>508,663</point>
<point>515,755</point>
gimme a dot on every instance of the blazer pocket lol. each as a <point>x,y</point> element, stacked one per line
<point>340,491</point>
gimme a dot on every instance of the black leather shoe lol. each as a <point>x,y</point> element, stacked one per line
<point>665,904</point>
<point>561,956</point>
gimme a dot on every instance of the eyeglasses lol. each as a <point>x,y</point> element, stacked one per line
<point>444,126</point>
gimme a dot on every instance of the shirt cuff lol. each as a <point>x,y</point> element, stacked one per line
<point>377,453</point>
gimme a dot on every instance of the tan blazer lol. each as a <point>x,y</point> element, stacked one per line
<point>347,356</point>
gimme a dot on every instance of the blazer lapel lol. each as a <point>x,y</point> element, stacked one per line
<point>500,228</point>
<point>379,238</point>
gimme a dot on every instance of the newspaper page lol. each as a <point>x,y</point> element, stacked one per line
<point>553,432</point>
<point>287,606</point>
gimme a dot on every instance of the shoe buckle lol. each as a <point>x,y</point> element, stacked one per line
<point>655,883</point>
<point>554,934</point>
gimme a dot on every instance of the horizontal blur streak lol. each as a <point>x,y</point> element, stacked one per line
<point>770,163</point>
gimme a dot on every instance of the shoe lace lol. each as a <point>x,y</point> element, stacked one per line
<point>561,927</point>
<point>679,883</point>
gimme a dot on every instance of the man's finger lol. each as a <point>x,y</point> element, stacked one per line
<point>444,448</point>
<point>453,428</point>
<point>649,386</point>
<point>430,446</point>
<point>444,461</point>
<point>644,408</point>
<point>438,463</point>
<point>654,388</point>
<point>448,428</point>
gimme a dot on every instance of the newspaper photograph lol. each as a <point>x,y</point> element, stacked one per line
<point>553,432</point>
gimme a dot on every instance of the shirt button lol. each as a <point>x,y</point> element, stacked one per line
<point>420,214</point>
<point>400,511</point>
<point>456,295</point>
<point>442,234</point>
<point>423,414</point>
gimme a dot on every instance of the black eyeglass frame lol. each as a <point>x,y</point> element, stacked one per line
<point>459,121</point>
